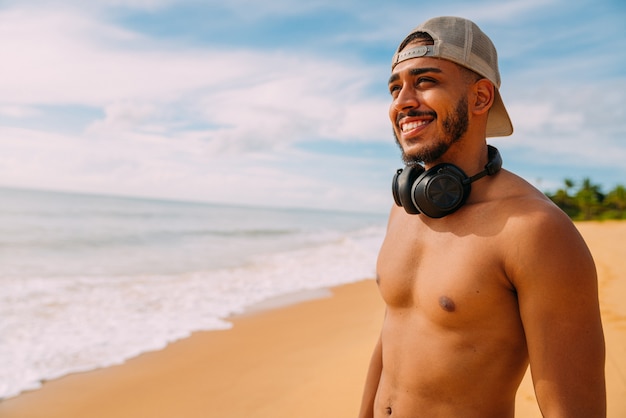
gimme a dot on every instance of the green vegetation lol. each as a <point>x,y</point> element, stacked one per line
<point>587,202</point>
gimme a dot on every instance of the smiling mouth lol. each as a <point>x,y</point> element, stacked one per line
<point>409,126</point>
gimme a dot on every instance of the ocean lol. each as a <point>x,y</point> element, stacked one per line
<point>89,281</point>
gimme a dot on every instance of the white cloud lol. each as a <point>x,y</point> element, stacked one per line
<point>71,58</point>
<point>543,116</point>
<point>501,11</point>
<point>178,122</point>
<point>92,5</point>
<point>123,116</point>
<point>169,119</point>
<point>17,111</point>
<point>155,166</point>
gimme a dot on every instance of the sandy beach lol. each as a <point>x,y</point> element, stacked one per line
<point>303,360</point>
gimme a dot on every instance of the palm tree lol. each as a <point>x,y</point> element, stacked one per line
<point>616,202</point>
<point>564,200</point>
<point>589,199</point>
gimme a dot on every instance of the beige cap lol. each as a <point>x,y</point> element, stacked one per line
<point>462,42</point>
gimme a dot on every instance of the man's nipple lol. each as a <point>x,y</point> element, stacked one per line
<point>447,304</point>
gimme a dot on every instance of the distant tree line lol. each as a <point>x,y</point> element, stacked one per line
<point>588,202</point>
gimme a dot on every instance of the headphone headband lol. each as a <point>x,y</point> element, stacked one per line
<point>492,167</point>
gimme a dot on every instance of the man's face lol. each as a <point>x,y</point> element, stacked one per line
<point>429,110</point>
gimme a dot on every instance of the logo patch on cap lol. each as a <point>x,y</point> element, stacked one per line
<point>418,51</point>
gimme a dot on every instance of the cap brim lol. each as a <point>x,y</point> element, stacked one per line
<point>498,122</point>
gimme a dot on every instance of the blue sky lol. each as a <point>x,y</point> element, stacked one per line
<point>284,102</point>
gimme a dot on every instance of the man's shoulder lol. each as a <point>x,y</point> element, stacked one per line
<point>520,209</point>
<point>531,223</point>
<point>516,197</point>
<point>506,195</point>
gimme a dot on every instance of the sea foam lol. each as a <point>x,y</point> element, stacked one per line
<point>144,287</point>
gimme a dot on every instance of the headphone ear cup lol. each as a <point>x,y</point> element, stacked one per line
<point>394,187</point>
<point>441,190</point>
<point>402,187</point>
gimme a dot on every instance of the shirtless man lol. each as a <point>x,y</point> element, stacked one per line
<point>475,293</point>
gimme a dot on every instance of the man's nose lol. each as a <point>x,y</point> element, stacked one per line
<point>406,99</point>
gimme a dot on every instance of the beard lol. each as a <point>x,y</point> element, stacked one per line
<point>454,127</point>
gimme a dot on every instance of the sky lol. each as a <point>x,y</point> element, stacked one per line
<point>284,102</point>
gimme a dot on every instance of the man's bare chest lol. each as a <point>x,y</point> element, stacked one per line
<point>451,279</point>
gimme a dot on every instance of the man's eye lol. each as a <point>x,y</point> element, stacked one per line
<point>394,89</point>
<point>424,81</point>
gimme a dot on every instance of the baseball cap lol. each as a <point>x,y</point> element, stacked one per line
<point>464,43</point>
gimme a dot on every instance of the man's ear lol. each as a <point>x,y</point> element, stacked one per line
<point>484,95</point>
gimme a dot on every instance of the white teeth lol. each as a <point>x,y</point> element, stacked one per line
<point>412,125</point>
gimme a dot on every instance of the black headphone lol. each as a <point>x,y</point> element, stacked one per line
<point>439,191</point>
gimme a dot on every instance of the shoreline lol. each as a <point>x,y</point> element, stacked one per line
<point>272,303</point>
<point>302,355</point>
<point>268,361</point>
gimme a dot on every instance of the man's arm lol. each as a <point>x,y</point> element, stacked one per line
<point>555,279</point>
<point>371,382</point>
